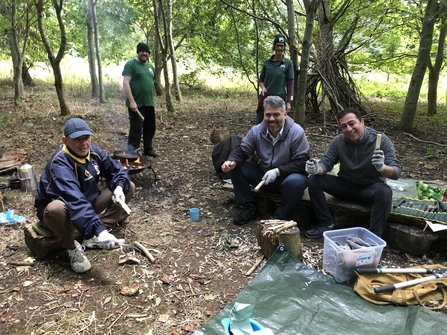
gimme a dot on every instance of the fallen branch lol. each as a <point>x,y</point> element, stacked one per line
<point>441,145</point>
<point>145,251</point>
<point>22,263</point>
<point>110,327</point>
<point>249,272</point>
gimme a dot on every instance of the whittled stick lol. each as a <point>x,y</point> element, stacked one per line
<point>259,185</point>
<point>145,251</point>
<point>125,207</point>
<point>378,140</point>
<point>286,226</point>
<point>140,115</point>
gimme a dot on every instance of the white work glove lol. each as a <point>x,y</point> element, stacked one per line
<point>378,160</point>
<point>118,194</point>
<point>106,240</point>
<point>312,166</point>
<point>270,176</point>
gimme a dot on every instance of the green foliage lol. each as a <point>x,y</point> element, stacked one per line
<point>191,79</point>
<point>428,192</point>
<point>6,121</point>
<point>435,153</point>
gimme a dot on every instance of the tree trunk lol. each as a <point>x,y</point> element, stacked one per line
<point>170,43</point>
<point>9,11</point>
<point>422,61</point>
<point>157,52</point>
<point>434,71</point>
<point>55,60</point>
<point>26,77</point>
<point>102,98</point>
<point>164,52</point>
<point>17,62</point>
<point>299,107</point>
<point>91,48</point>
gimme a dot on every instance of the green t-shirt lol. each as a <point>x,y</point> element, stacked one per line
<point>275,76</point>
<point>141,83</point>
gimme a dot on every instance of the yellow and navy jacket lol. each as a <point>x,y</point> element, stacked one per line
<point>74,181</point>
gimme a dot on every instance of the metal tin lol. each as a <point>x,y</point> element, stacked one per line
<point>27,177</point>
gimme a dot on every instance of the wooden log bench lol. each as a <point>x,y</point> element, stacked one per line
<point>402,232</point>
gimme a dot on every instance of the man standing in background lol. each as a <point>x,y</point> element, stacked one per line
<point>277,77</point>
<point>138,85</point>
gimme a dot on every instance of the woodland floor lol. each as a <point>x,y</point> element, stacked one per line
<point>200,266</point>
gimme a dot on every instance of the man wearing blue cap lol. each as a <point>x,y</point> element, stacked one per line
<point>138,85</point>
<point>68,195</point>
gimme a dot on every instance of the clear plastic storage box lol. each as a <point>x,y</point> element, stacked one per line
<point>341,263</point>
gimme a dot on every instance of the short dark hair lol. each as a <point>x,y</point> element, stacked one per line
<point>352,110</point>
<point>275,101</point>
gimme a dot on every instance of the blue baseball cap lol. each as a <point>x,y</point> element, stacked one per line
<point>76,127</point>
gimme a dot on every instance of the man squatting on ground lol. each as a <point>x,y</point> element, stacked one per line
<point>361,177</point>
<point>68,196</point>
<point>282,150</point>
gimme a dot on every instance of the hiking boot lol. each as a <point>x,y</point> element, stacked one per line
<point>151,153</point>
<point>250,212</point>
<point>78,261</point>
<point>318,231</point>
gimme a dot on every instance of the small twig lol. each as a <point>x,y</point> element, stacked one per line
<point>22,263</point>
<point>441,145</point>
<point>249,272</point>
<point>110,327</point>
<point>145,251</point>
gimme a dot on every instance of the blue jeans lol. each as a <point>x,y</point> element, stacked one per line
<point>291,188</point>
<point>379,195</point>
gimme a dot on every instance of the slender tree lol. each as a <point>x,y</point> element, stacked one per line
<point>435,68</point>
<point>20,17</point>
<point>102,98</point>
<point>423,58</point>
<point>299,108</point>
<point>91,48</point>
<point>55,61</point>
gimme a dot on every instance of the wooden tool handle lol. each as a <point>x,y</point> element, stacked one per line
<point>378,140</point>
<point>140,115</point>
<point>125,207</point>
<point>259,185</point>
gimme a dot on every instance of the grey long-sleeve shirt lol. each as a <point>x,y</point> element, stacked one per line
<point>355,158</point>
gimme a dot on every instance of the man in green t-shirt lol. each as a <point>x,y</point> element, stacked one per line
<point>138,85</point>
<point>277,77</point>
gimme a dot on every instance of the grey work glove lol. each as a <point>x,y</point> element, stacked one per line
<point>270,176</point>
<point>378,160</point>
<point>312,166</point>
<point>106,240</point>
<point>118,194</point>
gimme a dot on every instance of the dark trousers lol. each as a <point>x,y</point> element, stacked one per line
<point>291,187</point>
<point>379,195</point>
<point>137,127</point>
